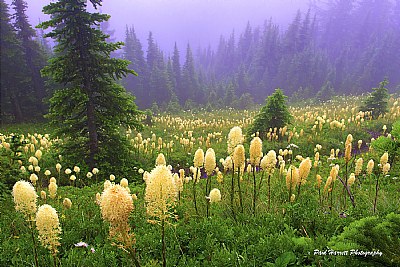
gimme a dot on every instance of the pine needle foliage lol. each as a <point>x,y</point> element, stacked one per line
<point>377,101</point>
<point>274,113</point>
<point>91,106</point>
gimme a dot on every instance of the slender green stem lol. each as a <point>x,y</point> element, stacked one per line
<point>333,185</point>
<point>34,243</point>
<point>240,191</point>
<point>269,191</point>
<point>319,196</point>
<point>164,254</point>
<point>298,190</point>
<point>290,186</point>
<point>55,259</point>
<point>206,194</point>
<point>344,189</point>
<point>376,192</point>
<point>194,195</point>
<point>254,191</point>
<point>233,189</point>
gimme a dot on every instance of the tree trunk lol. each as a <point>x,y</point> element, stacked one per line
<point>16,108</point>
<point>92,129</point>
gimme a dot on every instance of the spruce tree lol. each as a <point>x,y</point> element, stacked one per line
<point>13,71</point>
<point>377,101</point>
<point>91,107</point>
<point>273,114</point>
<point>35,59</point>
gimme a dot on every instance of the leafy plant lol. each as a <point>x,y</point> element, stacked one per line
<point>372,234</point>
<point>273,114</point>
<point>377,101</point>
<point>390,144</point>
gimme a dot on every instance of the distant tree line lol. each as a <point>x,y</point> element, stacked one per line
<point>23,55</point>
<point>338,47</point>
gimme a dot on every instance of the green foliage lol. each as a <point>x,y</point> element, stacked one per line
<point>91,108</point>
<point>22,87</point>
<point>372,234</point>
<point>376,103</point>
<point>389,144</point>
<point>9,166</point>
<point>273,114</point>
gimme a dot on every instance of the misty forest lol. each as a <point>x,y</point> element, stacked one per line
<point>275,144</point>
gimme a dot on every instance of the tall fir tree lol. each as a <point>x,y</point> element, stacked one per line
<point>133,52</point>
<point>177,72</point>
<point>13,78</point>
<point>91,107</point>
<point>190,86</point>
<point>34,56</point>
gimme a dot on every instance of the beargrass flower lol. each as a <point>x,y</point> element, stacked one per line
<point>386,168</point>
<point>351,179</point>
<point>370,166</point>
<point>210,161</point>
<point>304,170</point>
<point>384,159</point>
<point>239,156</point>
<point>292,177</point>
<point>116,204</point>
<point>33,178</point>
<point>52,190</point>
<point>235,137</point>
<point>67,203</point>
<point>161,192</point>
<point>160,159</point>
<point>107,184</point>
<point>124,182</point>
<point>77,169</point>
<point>198,159</point>
<point>48,226</point>
<point>25,198</point>
<point>255,151</point>
<point>359,165</point>
<point>214,196</point>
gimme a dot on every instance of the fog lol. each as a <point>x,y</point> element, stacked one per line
<point>199,22</point>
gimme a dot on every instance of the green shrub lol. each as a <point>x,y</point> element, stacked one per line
<point>371,234</point>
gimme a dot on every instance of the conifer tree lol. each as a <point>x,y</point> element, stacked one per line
<point>13,70</point>
<point>34,57</point>
<point>377,101</point>
<point>273,114</point>
<point>91,107</point>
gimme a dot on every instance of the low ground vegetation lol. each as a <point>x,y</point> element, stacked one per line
<point>313,193</point>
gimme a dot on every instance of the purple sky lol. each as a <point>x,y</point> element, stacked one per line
<point>199,22</point>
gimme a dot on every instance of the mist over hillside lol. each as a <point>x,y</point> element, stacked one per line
<point>344,47</point>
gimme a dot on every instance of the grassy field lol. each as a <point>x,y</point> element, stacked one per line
<point>316,221</point>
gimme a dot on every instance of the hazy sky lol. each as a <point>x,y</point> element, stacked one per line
<point>199,22</point>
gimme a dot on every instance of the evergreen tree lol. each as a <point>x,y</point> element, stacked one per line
<point>34,57</point>
<point>177,73</point>
<point>377,101</point>
<point>133,52</point>
<point>91,106</point>
<point>13,77</point>
<point>273,114</point>
<point>190,79</point>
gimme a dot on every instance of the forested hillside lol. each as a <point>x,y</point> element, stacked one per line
<point>342,47</point>
<point>335,47</point>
